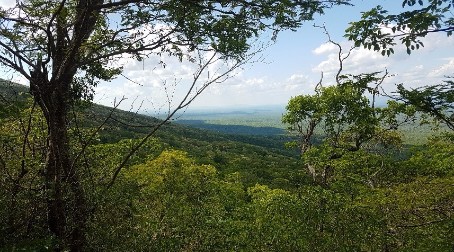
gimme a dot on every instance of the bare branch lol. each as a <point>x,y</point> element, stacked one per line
<point>13,65</point>
<point>340,55</point>
<point>185,102</point>
<point>93,134</point>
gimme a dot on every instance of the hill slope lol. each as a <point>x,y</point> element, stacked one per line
<point>258,158</point>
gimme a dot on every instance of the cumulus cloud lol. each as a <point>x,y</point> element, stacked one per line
<point>163,81</point>
<point>422,67</point>
<point>159,77</point>
<point>297,83</point>
<point>434,41</point>
<point>297,78</point>
<point>325,48</point>
<point>359,61</point>
<point>7,3</point>
<point>446,69</point>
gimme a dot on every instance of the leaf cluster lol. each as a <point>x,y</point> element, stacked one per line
<point>436,101</point>
<point>378,29</point>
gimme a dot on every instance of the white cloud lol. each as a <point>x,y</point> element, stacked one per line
<point>7,3</point>
<point>161,79</point>
<point>446,69</point>
<point>297,83</point>
<point>297,78</point>
<point>324,48</point>
<point>422,67</point>
<point>250,88</point>
<point>434,41</point>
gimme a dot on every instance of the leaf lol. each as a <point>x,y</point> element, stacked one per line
<point>404,3</point>
<point>407,43</point>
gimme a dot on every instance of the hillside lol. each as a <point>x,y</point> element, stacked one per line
<point>257,157</point>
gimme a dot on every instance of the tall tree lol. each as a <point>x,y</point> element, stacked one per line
<point>378,30</point>
<point>64,47</point>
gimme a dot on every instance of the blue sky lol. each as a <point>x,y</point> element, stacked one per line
<point>290,67</point>
<point>293,66</point>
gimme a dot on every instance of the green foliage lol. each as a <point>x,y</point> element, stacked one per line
<point>436,160</point>
<point>436,101</point>
<point>175,205</point>
<point>172,202</point>
<point>22,140</point>
<point>257,198</point>
<point>276,218</point>
<point>417,215</point>
<point>63,48</point>
<point>378,29</point>
<point>225,26</point>
<point>13,98</point>
<point>347,118</point>
<point>312,110</point>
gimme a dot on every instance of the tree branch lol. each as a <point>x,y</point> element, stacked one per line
<point>93,134</point>
<point>186,101</point>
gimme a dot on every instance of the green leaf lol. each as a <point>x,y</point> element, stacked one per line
<point>407,43</point>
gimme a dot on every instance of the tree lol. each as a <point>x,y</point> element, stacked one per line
<point>64,47</point>
<point>344,118</point>
<point>436,101</point>
<point>345,121</point>
<point>378,30</point>
<point>175,206</point>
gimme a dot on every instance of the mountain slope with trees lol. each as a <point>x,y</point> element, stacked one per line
<point>78,177</point>
<point>193,190</point>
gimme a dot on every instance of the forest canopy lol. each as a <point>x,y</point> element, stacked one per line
<point>77,176</point>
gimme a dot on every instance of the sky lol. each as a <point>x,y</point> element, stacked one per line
<point>291,66</point>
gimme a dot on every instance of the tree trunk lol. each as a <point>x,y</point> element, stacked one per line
<point>65,197</point>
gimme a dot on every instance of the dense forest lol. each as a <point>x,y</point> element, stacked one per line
<point>342,176</point>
